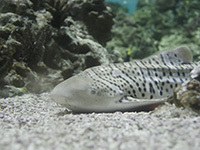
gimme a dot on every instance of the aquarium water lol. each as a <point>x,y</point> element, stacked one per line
<point>130,4</point>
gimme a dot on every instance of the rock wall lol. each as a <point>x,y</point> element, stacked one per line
<point>43,42</point>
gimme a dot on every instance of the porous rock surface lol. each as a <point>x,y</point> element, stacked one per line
<point>44,42</point>
<point>188,94</point>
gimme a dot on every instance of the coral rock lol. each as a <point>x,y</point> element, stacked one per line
<point>188,94</point>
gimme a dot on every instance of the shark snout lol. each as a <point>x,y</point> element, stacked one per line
<point>72,92</point>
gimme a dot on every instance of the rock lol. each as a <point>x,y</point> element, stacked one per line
<point>10,91</point>
<point>5,66</point>
<point>195,73</point>
<point>44,42</point>
<point>188,94</point>
<point>15,6</point>
<point>96,16</point>
<point>14,79</point>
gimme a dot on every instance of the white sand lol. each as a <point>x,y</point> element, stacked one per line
<point>35,122</point>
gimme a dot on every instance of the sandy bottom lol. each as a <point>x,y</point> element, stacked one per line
<point>35,122</point>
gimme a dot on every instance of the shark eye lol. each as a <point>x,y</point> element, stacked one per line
<point>93,91</point>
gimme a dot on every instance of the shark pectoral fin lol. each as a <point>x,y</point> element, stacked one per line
<point>137,104</point>
<point>129,99</point>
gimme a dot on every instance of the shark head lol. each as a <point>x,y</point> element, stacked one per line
<point>79,95</point>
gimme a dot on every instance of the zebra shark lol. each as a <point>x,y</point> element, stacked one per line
<point>126,86</point>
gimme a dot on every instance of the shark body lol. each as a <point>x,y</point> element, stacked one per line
<point>126,86</point>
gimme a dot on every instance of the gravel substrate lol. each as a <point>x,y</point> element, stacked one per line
<point>35,122</point>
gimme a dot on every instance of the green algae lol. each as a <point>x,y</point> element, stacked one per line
<point>155,26</point>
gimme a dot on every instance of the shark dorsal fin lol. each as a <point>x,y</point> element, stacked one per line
<point>179,55</point>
